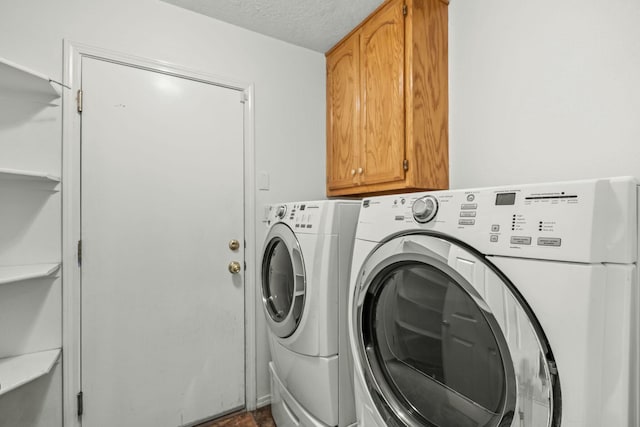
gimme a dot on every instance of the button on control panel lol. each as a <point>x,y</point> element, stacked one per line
<point>521,240</point>
<point>468,211</point>
<point>549,241</point>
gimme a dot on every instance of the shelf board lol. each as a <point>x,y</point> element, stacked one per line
<point>19,370</point>
<point>23,82</point>
<point>25,272</point>
<point>27,175</point>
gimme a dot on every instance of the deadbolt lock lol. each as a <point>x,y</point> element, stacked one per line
<point>234,245</point>
<point>234,267</point>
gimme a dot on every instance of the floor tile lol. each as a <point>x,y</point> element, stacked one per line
<point>259,418</point>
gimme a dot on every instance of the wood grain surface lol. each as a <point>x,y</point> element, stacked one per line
<point>382,96</point>
<point>397,98</point>
<point>258,418</point>
<point>343,115</point>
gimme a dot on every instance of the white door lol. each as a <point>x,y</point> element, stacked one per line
<point>162,197</point>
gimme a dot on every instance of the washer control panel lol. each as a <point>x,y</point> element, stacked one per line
<point>573,221</point>
<point>303,216</point>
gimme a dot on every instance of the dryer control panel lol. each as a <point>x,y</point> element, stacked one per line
<point>313,217</point>
<point>582,221</point>
<point>298,216</point>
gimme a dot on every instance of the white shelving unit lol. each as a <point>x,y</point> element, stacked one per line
<point>32,309</point>
<point>19,273</point>
<point>18,80</point>
<point>18,83</point>
<point>20,370</point>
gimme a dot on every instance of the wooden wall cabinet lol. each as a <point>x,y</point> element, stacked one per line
<point>387,102</point>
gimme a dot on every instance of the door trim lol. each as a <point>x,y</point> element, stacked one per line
<point>71,309</point>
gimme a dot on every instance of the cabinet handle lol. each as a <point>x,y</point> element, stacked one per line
<point>360,170</point>
<point>353,172</point>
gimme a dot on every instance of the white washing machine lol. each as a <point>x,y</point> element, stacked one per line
<point>508,306</point>
<point>305,279</point>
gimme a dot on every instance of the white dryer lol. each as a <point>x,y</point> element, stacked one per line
<point>306,263</point>
<point>509,306</point>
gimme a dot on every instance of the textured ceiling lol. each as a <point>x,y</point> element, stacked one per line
<point>314,24</point>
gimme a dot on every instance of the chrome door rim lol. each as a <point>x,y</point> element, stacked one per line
<point>289,323</point>
<point>429,248</point>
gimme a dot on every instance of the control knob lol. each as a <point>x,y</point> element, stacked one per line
<point>425,209</point>
<point>281,211</point>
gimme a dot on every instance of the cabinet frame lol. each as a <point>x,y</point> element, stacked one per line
<point>424,165</point>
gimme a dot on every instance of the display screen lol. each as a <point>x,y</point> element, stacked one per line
<point>505,199</point>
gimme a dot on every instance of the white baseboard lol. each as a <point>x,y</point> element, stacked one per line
<point>264,401</point>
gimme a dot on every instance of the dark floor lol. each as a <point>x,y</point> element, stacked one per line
<point>258,418</point>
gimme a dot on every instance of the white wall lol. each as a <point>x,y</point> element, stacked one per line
<point>543,90</point>
<point>289,82</point>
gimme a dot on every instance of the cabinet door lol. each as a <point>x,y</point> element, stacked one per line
<point>343,114</point>
<point>382,64</point>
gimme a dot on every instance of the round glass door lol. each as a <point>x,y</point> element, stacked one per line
<point>440,350</point>
<point>283,281</point>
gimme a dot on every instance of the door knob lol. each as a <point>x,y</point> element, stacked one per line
<point>353,171</point>
<point>234,245</point>
<point>360,170</point>
<point>234,267</point>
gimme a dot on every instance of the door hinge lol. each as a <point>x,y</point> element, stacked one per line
<point>405,10</point>
<point>80,403</point>
<point>405,164</point>
<point>79,252</point>
<point>79,101</point>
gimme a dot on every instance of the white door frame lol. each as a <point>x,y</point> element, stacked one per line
<point>71,310</point>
